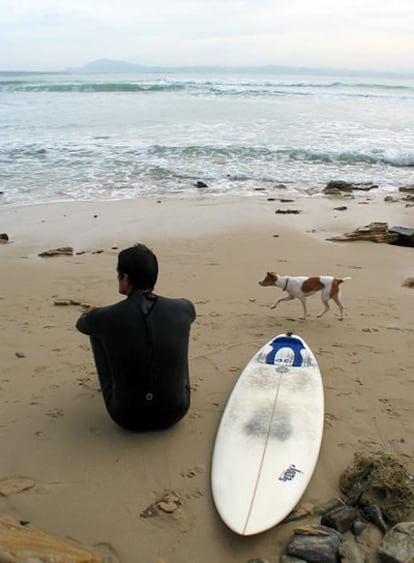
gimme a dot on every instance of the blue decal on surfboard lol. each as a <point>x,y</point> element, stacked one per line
<point>286,350</point>
<point>289,473</point>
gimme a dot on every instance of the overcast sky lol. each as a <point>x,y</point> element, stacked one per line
<point>348,34</point>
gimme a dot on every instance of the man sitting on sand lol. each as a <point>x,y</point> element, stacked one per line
<point>140,346</point>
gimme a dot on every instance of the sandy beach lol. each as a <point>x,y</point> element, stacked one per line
<point>92,480</point>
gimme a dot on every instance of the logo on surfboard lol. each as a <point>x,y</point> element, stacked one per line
<point>289,473</point>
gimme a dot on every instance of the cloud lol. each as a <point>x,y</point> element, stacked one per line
<point>53,35</point>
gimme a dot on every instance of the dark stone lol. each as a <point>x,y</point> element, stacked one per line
<point>328,506</point>
<point>288,211</point>
<point>349,552</point>
<point>397,546</point>
<point>364,186</point>
<point>405,236</point>
<point>408,282</point>
<point>318,545</point>
<point>338,185</point>
<point>374,515</point>
<point>200,184</point>
<point>4,236</point>
<point>407,189</point>
<point>340,518</point>
<point>358,526</point>
<point>341,208</point>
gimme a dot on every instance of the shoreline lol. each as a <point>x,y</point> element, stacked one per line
<point>92,480</point>
<point>157,218</point>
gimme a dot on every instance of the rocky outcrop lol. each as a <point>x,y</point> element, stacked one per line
<point>21,543</point>
<point>12,485</point>
<point>373,520</point>
<point>375,232</point>
<point>379,232</point>
<point>407,189</point>
<point>380,480</point>
<point>64,250</point>
<point>338,187</point>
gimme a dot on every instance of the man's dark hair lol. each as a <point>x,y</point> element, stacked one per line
<point>141,266</point>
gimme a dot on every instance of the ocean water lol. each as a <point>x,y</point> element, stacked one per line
<point>67,137</point>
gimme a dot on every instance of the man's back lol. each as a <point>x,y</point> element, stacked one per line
<point>141,354</point>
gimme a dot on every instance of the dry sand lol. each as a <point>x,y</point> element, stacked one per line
<point>92,479</point>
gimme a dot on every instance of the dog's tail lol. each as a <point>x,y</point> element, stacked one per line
<point>344,279</point>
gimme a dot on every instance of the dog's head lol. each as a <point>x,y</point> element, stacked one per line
<point>270,279</point>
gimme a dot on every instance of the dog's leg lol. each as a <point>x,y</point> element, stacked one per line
<point>305,311</point>
<point>325,296</point>
<point>280,300</point>
<point>325,301</point>
<point>340,306</point>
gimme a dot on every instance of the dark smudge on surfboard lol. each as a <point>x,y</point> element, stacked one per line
<point>280,429</point>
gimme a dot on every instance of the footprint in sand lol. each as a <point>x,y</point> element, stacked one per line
<point>192,472</point>
<point>330,419</point>
<point>55,413</point>
<point>88,383</point>
<point>193,493</point>
<point>388,407</point>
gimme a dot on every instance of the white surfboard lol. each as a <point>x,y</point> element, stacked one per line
<point>269,437</point>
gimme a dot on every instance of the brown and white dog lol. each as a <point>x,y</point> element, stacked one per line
<point>300,287</point>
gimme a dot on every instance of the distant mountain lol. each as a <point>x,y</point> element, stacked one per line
<point>111,66</point>
<point>108,65</point>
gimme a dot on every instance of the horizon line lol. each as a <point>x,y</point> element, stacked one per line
<point>137,67</point>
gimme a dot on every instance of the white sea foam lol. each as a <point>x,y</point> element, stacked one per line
<point>103,137</point>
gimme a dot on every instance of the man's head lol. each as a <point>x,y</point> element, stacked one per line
<point>137,269</point>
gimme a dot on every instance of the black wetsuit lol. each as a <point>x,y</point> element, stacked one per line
<point>140,347</point>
